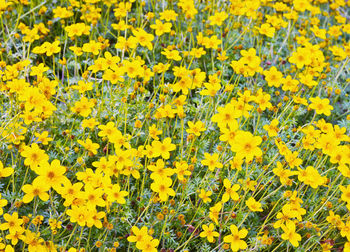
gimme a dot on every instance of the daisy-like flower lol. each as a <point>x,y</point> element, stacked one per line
<point>246,145</point>
<point>34,155</point>
<point>212,161</point>
<point>208,232</point>
<point>162,186</point>
<point>230,191</point>
<point>5,172</point>
<point>253,205</point>
<point>235,238</point>
<point>195,128</point>
<point>321,106</point>
<point>163,148</point>
<point>290,234</point>
<point>89,145</point>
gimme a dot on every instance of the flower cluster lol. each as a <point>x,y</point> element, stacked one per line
<point>174,125</point>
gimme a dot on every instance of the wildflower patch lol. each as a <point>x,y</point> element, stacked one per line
<point>174,125</point>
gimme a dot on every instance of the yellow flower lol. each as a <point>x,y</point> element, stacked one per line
<point>38,70</point>
<point>320,33</point>
<point>149,245</point>
<point>89,145</point>
<point>122,9</point>
<point>51,174</point>
<point>77,50</point>
<point>222,56</point>
<point>121,26</point>
<point>37,188</point>
<point>273,77</point>
<point>283,174</point>
<point>79,214</point>
<point>213,42</point>
<point>272,128</point>
<point>230,192</point>
<point>161,68</point>
<point>83,107</point>
<point>321,106</point>
<point>83,86</point>
<point>218,18</point>
<point>229,134</point>
<point>172,54</point>
<point>334,219</point>
<point>168,15</point>
<point>292,159</point>
<point>43,137</point>
<point>161,28</point>
<point>212,161</point>
<point>197,52</point>
<point>154,132</point>
<point>211,89</point>
<point>114,76</point>
<point>236,163</point>
<point>338,51</point>
<point>62,12</point>
<point>99,65</point>
<point>344,230</point>
<point>162,186</point>
<point>138,235</point>
<point>52,48</point>
<point>289,84</point>
<point>183,84</point>
<point>195,128</point>
<point>115,195</point>
<point>267,29</point>
<point>5,172</point>
<point>70,192</point>
<point>3,203</point>
<point>249,58</point>
<point>226,115</point>
<point>108,130</point>
<point>92,47</point>
<point>143,38</point>
<point>13,223</point>
<point>284,216</point>
<point>246,145</point>
<point>126,44</point>
<point>163,148</point>
<point>290,234</point>
<point>34,155</point>
<point>345,193</point>
<point>182,170</point>
<point>301,57</point>
<point>159,170</point>
<point>205,196</point>
<point>214,212</point>
<point>77,29</point>
<point>235,238</point>
<point>93,196</point>
<point>254,206</point>
<point>132,68</point>
<point>208,232</point>
<point>310,176</point>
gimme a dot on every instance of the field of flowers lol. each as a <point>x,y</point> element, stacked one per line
<point>163,125</point>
